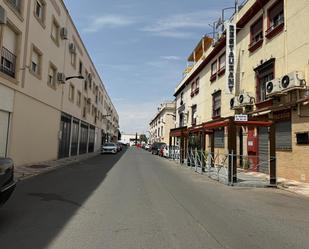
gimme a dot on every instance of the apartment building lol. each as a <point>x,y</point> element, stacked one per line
<point>264,77</point>
<point>53,103</point>
<point>162,123</point>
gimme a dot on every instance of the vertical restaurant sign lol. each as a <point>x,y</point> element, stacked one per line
<point>230,57</point>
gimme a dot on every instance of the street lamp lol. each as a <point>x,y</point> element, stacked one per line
<point>75,77</point>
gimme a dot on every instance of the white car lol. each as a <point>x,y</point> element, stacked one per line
<point>109,148</point>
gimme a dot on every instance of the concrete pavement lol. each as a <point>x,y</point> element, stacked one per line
<point>137,200</point>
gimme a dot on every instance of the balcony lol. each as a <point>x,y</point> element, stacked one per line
<point>8,62</point>
<point>15,4</point>
<point>275,29</point>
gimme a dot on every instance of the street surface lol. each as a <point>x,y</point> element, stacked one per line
<point>135,200</point>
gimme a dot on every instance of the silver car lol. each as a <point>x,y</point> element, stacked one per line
<point>109,148</point>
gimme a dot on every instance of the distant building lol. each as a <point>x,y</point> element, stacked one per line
<point>162,123</point>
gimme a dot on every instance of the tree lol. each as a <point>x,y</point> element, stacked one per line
<point>143,138</point>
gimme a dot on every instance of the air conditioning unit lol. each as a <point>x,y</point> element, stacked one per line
<point>61,78</point>
<point>273,87</point>
<point>64,33</point>
<point>245,99</point>
<point>3,18</point>
<point>291,80</point>
<point>72,48</point>
<point>234,103</point>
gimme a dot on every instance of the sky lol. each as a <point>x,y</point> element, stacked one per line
<point>140,48</point>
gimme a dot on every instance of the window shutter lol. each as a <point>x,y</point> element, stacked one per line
<point>9,39</point>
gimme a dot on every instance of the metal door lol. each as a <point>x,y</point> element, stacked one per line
<point>64,143</point>
<point>83,139</point>
<point>75,133</point>
<point>263,150</point>
<point>4,130</point>
<point>91,139</point>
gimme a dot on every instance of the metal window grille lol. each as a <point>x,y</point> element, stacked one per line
<point>8,62</point>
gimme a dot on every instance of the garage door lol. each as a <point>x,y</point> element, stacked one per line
<point>263,150</point>
<point>4,129</point>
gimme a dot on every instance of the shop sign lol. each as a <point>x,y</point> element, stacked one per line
<point>230,56</point>
<point>241,118</point>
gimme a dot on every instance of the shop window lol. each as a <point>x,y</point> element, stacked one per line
<point>219,138</point>
<point>284,135</point>
<point>193,114</point>
<point>216,104</point>
<point>275,19</point>
<point>256,35</point>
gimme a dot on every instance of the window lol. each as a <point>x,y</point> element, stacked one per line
<point>73,58</point>
<point>52,74</point>
<point>197,85</point>
<point>79,98</point>
<point>193,115</point>
<point>16,4</point>
<point>284,135</point>
<point>162,131</point>
<point>213,71</point>
<point>55,31</point>
<point>8,52</point>
<point>222,61</point>
<point>216,104</point>
<point>275,19</point>
<point>36,61</point>
<point>256,31</point>
<point>181,98</point>
<point>302,138</point>
<point>71,92</point>
<point>39,11</point>
<point>86,81</point>
<point>264,75</point>
<point>219,138</point>
<point>181,120</point>
<point>80,69</point>
<point>193,86</point>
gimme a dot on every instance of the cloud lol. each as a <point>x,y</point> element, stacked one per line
<point>181,25</point>
<point>171,58</point>
<point>108,21</point>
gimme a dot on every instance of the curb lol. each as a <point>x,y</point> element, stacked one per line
<point>59,164</point>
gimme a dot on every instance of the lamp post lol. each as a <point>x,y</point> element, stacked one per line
<point>75,77</point>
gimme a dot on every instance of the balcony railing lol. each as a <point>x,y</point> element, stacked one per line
<point>15,4</point>
<point>8,62</point>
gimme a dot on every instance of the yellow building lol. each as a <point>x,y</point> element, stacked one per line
<point>270,76</point>
<point>45,113</point>
<point>162,123</point>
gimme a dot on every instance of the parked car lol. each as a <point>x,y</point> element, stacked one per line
<point>7,182</point>
<point>171,151</point>
<point>109,148</point>
<point>119,147</point>
<point>147,146</point>
<point>155,148</point>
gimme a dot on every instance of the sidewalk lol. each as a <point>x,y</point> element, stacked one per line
<point>258,180</point>
<point>27,171</point>
<point>285,184</point>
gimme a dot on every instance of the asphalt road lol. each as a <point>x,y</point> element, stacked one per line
<point>136,200</point>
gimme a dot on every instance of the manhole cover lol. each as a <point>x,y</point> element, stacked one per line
<point>38,166</point>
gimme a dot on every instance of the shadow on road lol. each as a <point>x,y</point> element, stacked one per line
<point>41,206</point>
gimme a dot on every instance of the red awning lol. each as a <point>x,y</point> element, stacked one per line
<point>216,124</point>
<point>255,123</point>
